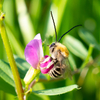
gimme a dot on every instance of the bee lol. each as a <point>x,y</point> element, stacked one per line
<point>59,57</point>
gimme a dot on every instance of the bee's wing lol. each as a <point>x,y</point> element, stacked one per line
<point>67,72</point>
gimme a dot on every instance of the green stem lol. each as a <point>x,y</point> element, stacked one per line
<point>88,57</point>
<point>29,77</point>
<point>11,60</point>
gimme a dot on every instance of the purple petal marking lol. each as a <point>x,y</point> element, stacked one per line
<point>34,51</point>
<point>43,66</point>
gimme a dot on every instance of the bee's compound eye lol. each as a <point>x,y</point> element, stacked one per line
<point>52,45</point>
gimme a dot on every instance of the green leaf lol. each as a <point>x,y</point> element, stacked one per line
<point>88,38</point>
<point>75,46</point>
<point>57,91</point>
<point>22,62</point>
<point>22,65</point>
<point>4,86</point>
<point>6,78</point>
<point>5,73</point>
<point>72,62</point>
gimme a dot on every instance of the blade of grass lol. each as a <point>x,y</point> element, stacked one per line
<point>83,68</point>
<point>14,41</point>
<point>88,57</point>
<point>25,22</point>
<point>89,38</point>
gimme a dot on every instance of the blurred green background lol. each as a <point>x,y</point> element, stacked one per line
<point>25,18</point>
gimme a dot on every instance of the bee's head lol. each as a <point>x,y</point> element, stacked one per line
<point>52,46</point>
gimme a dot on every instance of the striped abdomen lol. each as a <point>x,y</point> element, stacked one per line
<point>55,72</point>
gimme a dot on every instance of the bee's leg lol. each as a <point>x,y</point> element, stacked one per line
<point>47,59</point>
<point>50,64</point>
<point>53,62</point>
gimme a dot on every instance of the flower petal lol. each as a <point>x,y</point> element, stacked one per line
<point>38,37</point>
<point>34,51</point>
<point>46,65</point>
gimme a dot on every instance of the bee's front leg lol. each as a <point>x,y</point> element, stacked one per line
<point>54,60</point>
<point>45,60</point>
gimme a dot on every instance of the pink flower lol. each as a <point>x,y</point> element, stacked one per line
<point>34,51</point>
<point>34,54</point>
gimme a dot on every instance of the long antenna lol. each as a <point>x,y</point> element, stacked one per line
<point>68,31</point>
<point>54,25</point>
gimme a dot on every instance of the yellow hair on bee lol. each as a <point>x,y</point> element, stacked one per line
<point>63,49</point>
